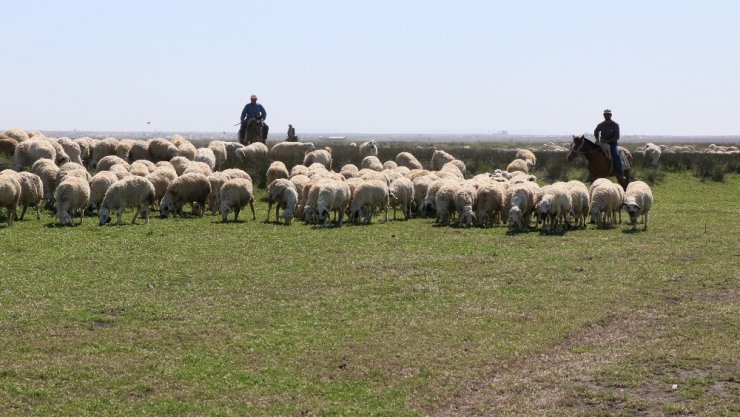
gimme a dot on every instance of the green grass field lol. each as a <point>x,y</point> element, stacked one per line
<point>195,317</point>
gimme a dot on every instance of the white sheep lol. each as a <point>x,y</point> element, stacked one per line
<point>277,170</point>
<point>86,144</point>
<point>421,186</point>
<point>464,202</point>
<point>102,148</point>
<point>638,199</point>
<point>99,184</point>
<point>580,201</point>
<point>488,203</point>
<point>10,195</point>
<point>139,151</point>
<point>350,171</point>
<point>401,193</point>
<point>321,156</point>
<point>554,206</point>
<point>16,133</point>
<point>290,153</point>
<point>518,165</point>
<point>180,163</point>
<point>334,196</point>
<point>252,158</point>
<point>407,159</point>
<point>190,188</point>
<point>206,156</point>
<point>300,181</point>
<point>371,162</point>
<point>186,149</point>
<point>219,151</point>
<point>520,200</point>
<point>141,168</point>
<point>132,192</point>
<point>652,151</point>
<point>526,155</point>
<point>47,170</point>
<point>197,167</point>
<point>30,151</point>
<point>62,157</point>
<point>284,195</point>
<point>32,192</point>
<point>235,194</point>
<point>161,178</point>
<point>161,150</point>
<point>452,170</point>
<point>121,171</point>
<point>390,165</point>
<point>123,149</point>
<point>298,170</point>
<point>72,149</point>
<point>605,202</point>
<point>369,148</point>
<point>445,201</point>
<point>108,161</point>
<point>368,197</point>
<point>439,158</point>
<point>72,195</point>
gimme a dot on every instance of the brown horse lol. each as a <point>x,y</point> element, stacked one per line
<point>599,166</point>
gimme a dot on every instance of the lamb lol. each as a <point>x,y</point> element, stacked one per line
<point>652,151</point>
<point>488,203</point>
<point>161,150</point>
<point>371,162</point>
<point>10,195</point>
<point>334,196</point>
<point>235,194</point>
<point>30,151</point>
<point>518,165</point>
<point>161,178</point>
<point>71,195</point>
<point>401,192</point>
<point>99,184</point>
<point>321,156</point>
<point>580,201</point>
<point>290,153</point>
<point>638,199</point>
<point>464,200</point>
<point>108,161</point>
<point>350,171</point>
<point>368,197</point>
<point>47,170</point>
<point>136,192</point>
<point>406,159</point>
<point>32,192</point>
<point>527,156</point>
<point>189,188</point>
<point>102,148</point>
<point>72,149</point>
<point>206,156</point>
<point>439,158</point>
<point>554,206</point>
<point>283,194</point>
<point>445,201</point>
<point>139,151</point>
<point>605,202</point>
<point>277,170</point>
<point>219,151</point>
<point>369,148</point>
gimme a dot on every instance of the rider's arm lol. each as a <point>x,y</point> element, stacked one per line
<point>244,114</point>
<point>616,132</point>
<point>596,132</point>
<point>264,113</point>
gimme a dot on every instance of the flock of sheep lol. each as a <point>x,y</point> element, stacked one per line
<point>169,173</point>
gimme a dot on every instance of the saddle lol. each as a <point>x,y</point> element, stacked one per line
<point>622,155</point>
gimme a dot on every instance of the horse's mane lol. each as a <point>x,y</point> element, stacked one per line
<point>585,139</point>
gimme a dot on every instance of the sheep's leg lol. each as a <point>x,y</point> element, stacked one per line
<point>236,213</point>
<point>646,221</point>
<point>38,212</point>
<point>277,213</point>
<point>119,213</point>
<point>136,214</point>
<point>80,216</point>
<point>269,209</point>
<point>254,215</point>
<point>23,212</point>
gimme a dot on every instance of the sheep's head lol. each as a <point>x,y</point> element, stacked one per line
<point>166,206</point>
<point>323,214</point>
<point>595,214</point>
<point>288,215</point>
<point>467,218</point>
<point>104,216</point>
<point>515,216</point>
<point>224,211</point>
<point>632,209</point>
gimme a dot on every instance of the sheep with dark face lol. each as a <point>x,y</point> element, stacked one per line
<point>190,188</point>
<point>638,200</point>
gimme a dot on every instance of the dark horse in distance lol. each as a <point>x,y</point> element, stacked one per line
<point>252,131</point>
<point>599,166</point>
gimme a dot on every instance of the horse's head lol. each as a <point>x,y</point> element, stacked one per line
<point>576,146</point>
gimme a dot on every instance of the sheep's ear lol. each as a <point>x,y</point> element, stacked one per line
<point>637,206</point>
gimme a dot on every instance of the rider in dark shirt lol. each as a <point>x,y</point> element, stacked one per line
<point>608,131</point>
<point>252,111</point>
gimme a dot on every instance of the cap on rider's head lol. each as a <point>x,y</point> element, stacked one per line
<point>253,97</point>
<point>606,111</point>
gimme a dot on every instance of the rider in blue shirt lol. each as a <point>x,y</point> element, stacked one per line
<point>252,111</point>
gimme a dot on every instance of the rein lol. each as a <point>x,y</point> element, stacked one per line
<point>583,142</point>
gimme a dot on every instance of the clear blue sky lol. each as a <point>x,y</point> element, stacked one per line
<point>538,67</point>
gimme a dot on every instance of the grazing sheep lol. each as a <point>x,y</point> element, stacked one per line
<point>284,195</point>
<point>72,149</point>
<point>180,163</point>
<point>580,201</point>
<point>15,133</point>
<point>298,170</point>
<point>368,197</point>
<point>47,170</point>
<point>638,199</point>
<point>196,166</point>
<point>187,150</point>
<point>520,201</point>
<point>61,155</point>
<point>371,162</point>
<point>307,207</point>
<point>421,186</point>
<point>445,201</point>
<point>369,148</point>
<point>30,151</point>
<point>99,184</point>
<point>652,152</point>
<point>408,160</point>
<point>429,204</point>
<point>141,168</point>
<point>135,192</point>
<point>439,158</point>
<point>527,156</point>
<point>161,178</point>
<point>7,146</point>
<point>219,151</point>
<point>290,153</point>
<point>370,174</point>
<point>390,165</point>
<point>464,202</point>
<point>350,171</point>
<point>72,195</point>
<point>86,144</point>
<point>321,156</point>
<point>32,192</point>
<point>123,149</point>
<point>121,171</point>
<point>554,206</point>
<point>102,148</point>
<point>139,151</point>
<point>605,202</point>
<point>161,150</point>
<point>518,165</point>
<point>108,161</point>
<point>489,201</point>
<point>253,159</point>
<point>72,169</point>
<point>452,170</point>
<point>191,188</point>
<point>206,156</point>
<point>334,196</point>
<point>234,195</point>
<point>401,193</point>
<point>277,170</point>
<point>10,195</point>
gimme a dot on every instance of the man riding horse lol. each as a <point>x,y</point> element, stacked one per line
<point>253,113</point>
<point>608,132</point>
